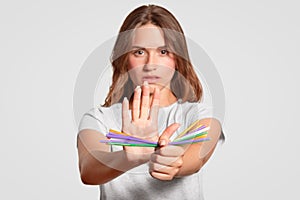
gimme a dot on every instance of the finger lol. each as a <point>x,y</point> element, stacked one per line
<point>171,151</point>
<point>145,101</point>
<point>168,161</point>
<point>165,136</point>
<point>125,114</point>
<point>156,167</point>
<point>160,176</point>
<point>155,105</point>
<point>136,103</point>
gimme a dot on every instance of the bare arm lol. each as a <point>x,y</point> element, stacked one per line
<point>196,155</point>
<point>176,161</point>
<point>97,164</point>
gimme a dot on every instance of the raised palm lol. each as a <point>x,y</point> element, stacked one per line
<point>144,115</point>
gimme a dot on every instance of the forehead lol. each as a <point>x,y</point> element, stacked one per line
<point>148,36</point>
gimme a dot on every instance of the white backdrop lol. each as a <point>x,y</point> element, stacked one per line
<point>254,45</point>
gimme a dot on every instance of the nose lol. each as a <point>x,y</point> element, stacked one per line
<point>151,62</point>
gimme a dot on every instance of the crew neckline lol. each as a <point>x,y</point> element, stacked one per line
<point>171,105</point>
<point>119,105</point>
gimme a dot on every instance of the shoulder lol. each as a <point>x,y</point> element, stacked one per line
<point>196,107</point>
<point>193,111</point>
<point>101,118</point>
<point>101,112</point>
<point>200,110</point>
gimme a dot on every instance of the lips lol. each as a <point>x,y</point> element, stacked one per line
<point>151,79</point>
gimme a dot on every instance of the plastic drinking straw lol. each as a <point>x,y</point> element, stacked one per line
<point>112,135</point>
<point>123,141</point>
<point>139,144</point>
<point>188,129</point>
<point>127,137</point>
<point>196,134</point>
<point>195,130</point>
<point>133,145</point>
<point>199,137</point>
<point>118,132</point>
<point>191,137</point>
<point>120,141</point>
<point>189,141</point>
<point>192,134</point>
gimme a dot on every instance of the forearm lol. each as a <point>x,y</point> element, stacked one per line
<point>198,154</point>
<point>192,162</point>
<point>97,164</point>
<point>98,167</point>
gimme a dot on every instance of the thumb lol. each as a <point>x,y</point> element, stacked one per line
<point>168,132</point>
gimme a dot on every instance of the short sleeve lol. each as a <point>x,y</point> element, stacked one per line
<point>94,120</point>
<point>200,111</point>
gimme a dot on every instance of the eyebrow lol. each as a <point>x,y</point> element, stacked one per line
<point>139,47</point>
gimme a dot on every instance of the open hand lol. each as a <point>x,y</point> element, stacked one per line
<point>143,123</point>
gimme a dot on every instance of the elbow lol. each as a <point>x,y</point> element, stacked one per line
<point>199,168</point>
<point>89,177</point>
<point>87,181</point>
<point>86,178</point>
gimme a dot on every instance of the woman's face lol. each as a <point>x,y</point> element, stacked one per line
<point>149,59</point>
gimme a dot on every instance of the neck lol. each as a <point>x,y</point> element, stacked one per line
<point>166,98</point>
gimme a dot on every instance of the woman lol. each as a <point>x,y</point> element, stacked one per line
<point>155,94</point>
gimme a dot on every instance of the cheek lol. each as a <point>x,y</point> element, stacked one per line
<point>135,74</point>
<point>169,62</point>
<point>134,62</point>
<point>167,74</point>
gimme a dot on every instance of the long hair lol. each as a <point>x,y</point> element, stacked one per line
<point>185,84</point>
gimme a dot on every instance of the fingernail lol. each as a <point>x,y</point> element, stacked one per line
<point>145,83</point>
<point>162,143</point>
<point>125,99</point>
<point>138,87</point>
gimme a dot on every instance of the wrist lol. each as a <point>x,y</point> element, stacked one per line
<point>138,155</point>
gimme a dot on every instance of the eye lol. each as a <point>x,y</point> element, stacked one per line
<point>139,52</point>
<point>164,52</point>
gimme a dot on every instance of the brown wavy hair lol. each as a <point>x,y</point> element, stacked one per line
<point>185,84</point>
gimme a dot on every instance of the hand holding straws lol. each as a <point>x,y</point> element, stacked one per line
<point>192,134</point>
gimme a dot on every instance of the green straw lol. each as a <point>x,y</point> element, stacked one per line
<point>190,137</point>
<point>188,129</point>
<point>132,145</point>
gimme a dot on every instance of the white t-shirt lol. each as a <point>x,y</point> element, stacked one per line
<point>137,183</point>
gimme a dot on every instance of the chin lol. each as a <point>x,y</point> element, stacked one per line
<point>160,87</point>
<point>152,87</point>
